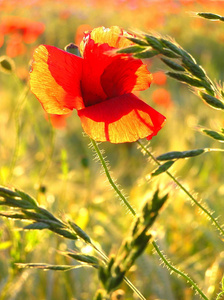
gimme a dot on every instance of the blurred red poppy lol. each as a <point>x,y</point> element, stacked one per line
<point>27,29</point>
<point>15,46</point>
<point>159,78</point>
<point>162,97</point>
<point>21,31</point>
<point>99,86</point>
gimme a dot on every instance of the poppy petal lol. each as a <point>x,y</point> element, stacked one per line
<point>94,63</point>
<point>121,119</point>
<point>55,79</point>
<point>125,75</point>
<point>114,36</point>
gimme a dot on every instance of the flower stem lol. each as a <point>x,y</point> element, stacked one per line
<point>128,205</point>
<point>111,181</point>
<point>213,220</point>
<point>172,268</point>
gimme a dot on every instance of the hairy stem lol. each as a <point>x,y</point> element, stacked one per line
<point>111,181</point>
<point>172,268</point>
<point>128,205</point>
<point>210,216</point>
<point>125,201</point>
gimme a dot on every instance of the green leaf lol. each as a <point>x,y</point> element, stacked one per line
<point>15,203</point>
<point>12,215</point>
<point>80,232</point>
<point>154,42</point>
<point>48,267</point>
<point>131,49</point>
<point>37,226</point>
<point>212,101</point>
<point>146,54</point>
<point>178,154</point>
<point>210,16</point>
<point>172,46</point>
<point>169,53</point>
<point>27,198</point>
<point>65,233</point>
<point>5,192</point>
<point>186,79</point>
<point>163,168</point>
<point>45,213</point>
<point>32,215</point>
<point>214,134</point>
<point>195,69</point>
<point>138,41</point>
<point>89,259</point>
<point>173,65</point>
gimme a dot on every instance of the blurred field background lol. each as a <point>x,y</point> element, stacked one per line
<point>56,165</point>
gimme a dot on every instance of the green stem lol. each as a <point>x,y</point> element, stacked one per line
<point>213,220</point>
<point>112,183</point>
<point>188,279</point>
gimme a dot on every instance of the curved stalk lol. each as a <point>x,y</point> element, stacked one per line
<point>111,181</point>
<point>210,216</point>
<point>130,208</point>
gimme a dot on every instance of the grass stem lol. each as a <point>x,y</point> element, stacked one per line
<point>130,208</point>
<point>209,215</point>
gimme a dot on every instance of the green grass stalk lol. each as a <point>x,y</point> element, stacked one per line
<point>209,215</point>
<point>130,208</point>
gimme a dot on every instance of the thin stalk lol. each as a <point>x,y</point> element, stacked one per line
<point>187,278</point>
<point>213,220</point>
<point>112,183</point>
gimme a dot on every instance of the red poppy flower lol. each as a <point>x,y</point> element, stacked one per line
<point>20,31</point>
<point>15,46</point>
<point>162,97</point>
<point>159,78</point>
<point>27,29</point>
<point>98,85</point>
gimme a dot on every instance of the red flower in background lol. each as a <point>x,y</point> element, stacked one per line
<point>20,31</point>
<point>15,46</point>
<point>99,86</point>
<point>162,97</point>
<point>159,78</point>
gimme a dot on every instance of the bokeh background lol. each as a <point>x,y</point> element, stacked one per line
<point>50,158</point>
